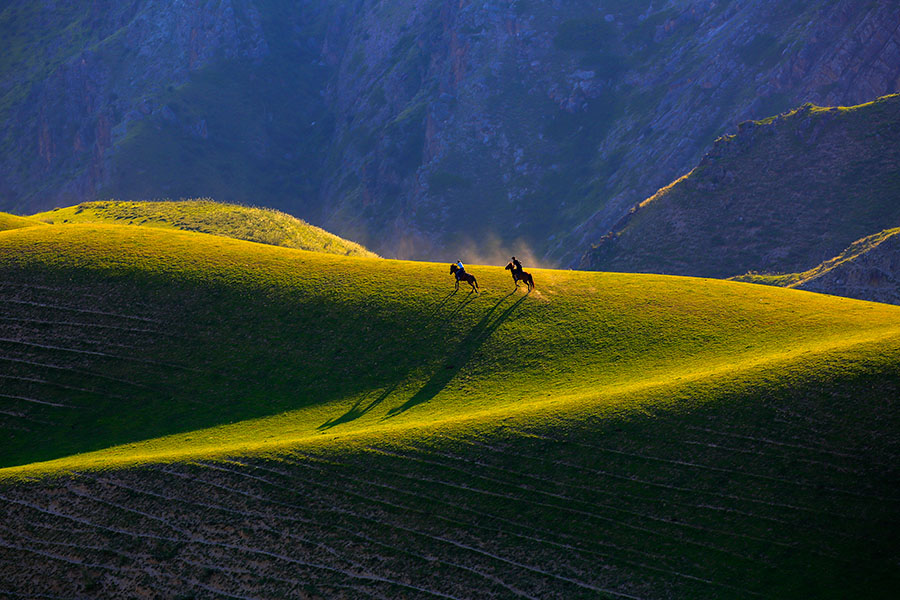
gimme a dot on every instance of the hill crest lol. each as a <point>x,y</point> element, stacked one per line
<point>261,225</point>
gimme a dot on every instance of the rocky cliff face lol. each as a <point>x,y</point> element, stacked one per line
<point>424,129</point>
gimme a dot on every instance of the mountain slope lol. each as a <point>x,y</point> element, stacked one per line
<point>867,270</point>
<point>424,129</point>
<point>265,226</point>
<point>780,195</point>
<point>292,423</point>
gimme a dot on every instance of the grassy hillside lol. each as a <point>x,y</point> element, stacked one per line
<point>326,425</point>
<point>8,221</point>
<point>782,195</point>
<point>262,225</point>
<point>868,270</point>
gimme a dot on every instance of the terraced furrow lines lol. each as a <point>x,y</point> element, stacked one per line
<point>62,386</point>
<point>126,509</point>
<point>692,491</point>
<point>89,523</point>
<point>86,325</point>
<point>293,583</point>
<point>57,557</point>
<point>311,522</point>
<point>248,550</point>
<point>490,530</point>
<point>817,450</point>
<point>35,400</point>
<point>357,516</point>
<point>521,475</point>
<point>367,539</point>
<point>133,359</point>
<point>545,505</point>
<point>85,311</point>
<point>131,557</point>
<point>783,480</point>
<point>642,516</point>
<point>70,370</point>
<point>764,456</point>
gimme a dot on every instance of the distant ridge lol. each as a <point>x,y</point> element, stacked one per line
<point>781,195</point>
<point>868,270</point>
<point>262,225</point>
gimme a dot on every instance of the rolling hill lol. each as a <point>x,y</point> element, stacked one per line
<point>262,225</point>
<point>8,221</point>
<point>186,414</point>
<point>782,195</point>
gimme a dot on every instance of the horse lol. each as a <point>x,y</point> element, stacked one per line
<point>467,277</point>
<point>523,276</point>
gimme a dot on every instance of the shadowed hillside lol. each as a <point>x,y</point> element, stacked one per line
<point>268,422</point>
<point>782,195</point>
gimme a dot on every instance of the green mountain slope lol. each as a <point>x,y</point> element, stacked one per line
<point>867,270</point>
<point>263,421</point>
<point>781,195</point>
<point>261,225</point>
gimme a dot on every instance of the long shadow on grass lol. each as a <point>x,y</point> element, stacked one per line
<point>358,410</point>
<point>458,359</point>
<point>364,405</point>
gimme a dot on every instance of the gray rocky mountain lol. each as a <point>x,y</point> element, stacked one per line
<point>422,129</point>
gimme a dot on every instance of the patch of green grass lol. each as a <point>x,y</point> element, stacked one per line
<point>8,221</point>
<point>288,347</point>
<point>262,225</point>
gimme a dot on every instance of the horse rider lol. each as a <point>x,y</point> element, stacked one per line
<point>517,267</point>
<point>461,270</point>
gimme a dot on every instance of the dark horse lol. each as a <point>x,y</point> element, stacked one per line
<point>521,276</point>
<point>470,279</point>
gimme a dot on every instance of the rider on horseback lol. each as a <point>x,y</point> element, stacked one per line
<point>517,267</point>
<point>460,271</point>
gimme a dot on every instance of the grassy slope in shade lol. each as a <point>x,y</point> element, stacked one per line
<point>220,331</point>
<point>263,225</point>
<point>782,195</point>
<point>608,435</point>
<point>8,221</point>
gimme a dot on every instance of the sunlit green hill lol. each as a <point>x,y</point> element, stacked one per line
<point>263,225</point>
<point>8,221</point>
<point>256,420</point>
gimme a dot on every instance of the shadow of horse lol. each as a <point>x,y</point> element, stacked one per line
<point>363,405</point>
<point>463,353</point>
<point>358,410</point>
